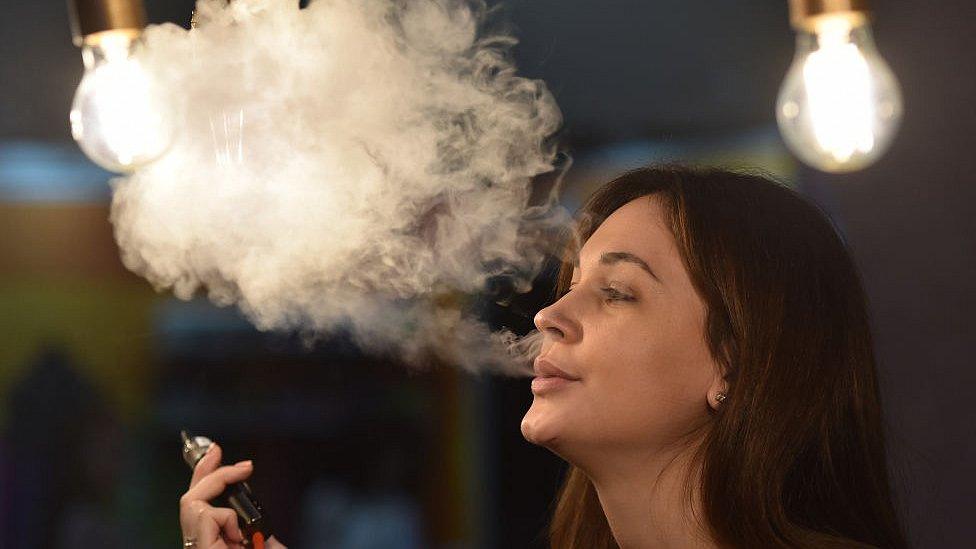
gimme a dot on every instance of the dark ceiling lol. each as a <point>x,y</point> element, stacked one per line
<point>630,67</point>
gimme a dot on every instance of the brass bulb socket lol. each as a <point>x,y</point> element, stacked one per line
<point>805,15</point>
<point>90,18</point>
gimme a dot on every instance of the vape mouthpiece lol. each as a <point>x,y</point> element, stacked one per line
<point>194,448</point>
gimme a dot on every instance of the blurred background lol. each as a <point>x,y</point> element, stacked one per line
<point>98,373</point>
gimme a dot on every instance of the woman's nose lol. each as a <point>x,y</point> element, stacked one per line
<point>554,323</point>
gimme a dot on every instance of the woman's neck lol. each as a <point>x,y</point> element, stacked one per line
<point>645,500</point>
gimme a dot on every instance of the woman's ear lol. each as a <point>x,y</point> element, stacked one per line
<point>718,391</point>
<point>716,399</point>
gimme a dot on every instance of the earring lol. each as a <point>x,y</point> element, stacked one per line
<point>720,397</point>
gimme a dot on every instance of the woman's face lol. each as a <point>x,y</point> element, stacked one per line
<point>634,341</point>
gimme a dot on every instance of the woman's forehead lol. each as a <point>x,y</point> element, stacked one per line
<point>637,227</point>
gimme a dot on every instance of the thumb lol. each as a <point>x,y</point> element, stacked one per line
<point>207,464</point>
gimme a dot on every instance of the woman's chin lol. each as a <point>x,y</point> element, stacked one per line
<point>539,426</point>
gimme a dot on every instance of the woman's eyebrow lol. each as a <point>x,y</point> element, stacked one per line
<point>610,258</point>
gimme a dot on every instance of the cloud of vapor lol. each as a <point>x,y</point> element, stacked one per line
<point>362,165</point>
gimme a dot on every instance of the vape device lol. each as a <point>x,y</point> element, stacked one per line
<point>238,496</point>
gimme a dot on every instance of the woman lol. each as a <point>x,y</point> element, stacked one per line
<point>707,372</point>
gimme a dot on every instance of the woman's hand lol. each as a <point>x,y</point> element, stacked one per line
<point>212,527</point>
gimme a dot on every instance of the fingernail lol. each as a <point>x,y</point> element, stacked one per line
<point>245,463</point>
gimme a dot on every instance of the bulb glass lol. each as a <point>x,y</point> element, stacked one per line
<point>116,117</point>
<point>840,105</point>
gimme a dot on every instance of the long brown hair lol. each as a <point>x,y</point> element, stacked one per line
<point>795,456</point>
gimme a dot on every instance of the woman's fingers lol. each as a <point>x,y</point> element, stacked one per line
<point>214,483</point>
<point>274,544</point>
<point>212,527</point>
<point>221,544</point>
<point>219,524</point>
<point>207,464</point>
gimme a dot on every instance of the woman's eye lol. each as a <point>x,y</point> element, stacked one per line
<point>614,294</point>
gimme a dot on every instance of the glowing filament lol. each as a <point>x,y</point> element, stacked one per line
<point>841,100</point>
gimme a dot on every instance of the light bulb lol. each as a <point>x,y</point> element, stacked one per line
<point>840,106</point>
<point>117,117</point>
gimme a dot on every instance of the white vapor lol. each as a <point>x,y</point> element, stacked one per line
<point>356,164</point>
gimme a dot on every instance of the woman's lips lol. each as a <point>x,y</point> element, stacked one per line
<point>542,385</point>
<point>549,377</point>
